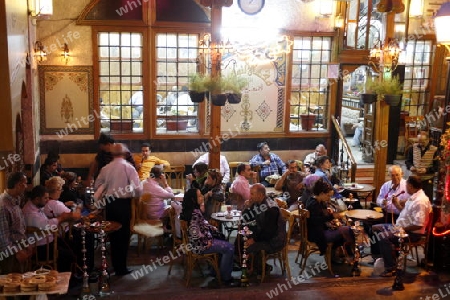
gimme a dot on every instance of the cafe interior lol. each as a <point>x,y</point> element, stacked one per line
<point>74,70</point>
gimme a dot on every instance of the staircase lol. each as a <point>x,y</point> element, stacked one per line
<point>365,173</point>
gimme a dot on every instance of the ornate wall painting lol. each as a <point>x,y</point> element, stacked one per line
<point>263,103</point>
<point>66,100</point>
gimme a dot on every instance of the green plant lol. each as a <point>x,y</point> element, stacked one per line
<point>389,86</point>
<point>197,82</point>
<point>233,83</point>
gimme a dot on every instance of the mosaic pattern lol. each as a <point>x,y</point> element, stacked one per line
<point>52,79</point>
<point>263,110</point>
<point>80,79</point>
<point>227,111</point>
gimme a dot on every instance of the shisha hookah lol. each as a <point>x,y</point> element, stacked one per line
<point>245,232</point>
<point>401,260</point>
<point>104,275</point>
<point>357,229</point>
<point>86,290</point>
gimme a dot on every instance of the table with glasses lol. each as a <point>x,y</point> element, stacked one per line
<point>229,222</point>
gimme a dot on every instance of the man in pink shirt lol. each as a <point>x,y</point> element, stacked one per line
<point>241,185</point>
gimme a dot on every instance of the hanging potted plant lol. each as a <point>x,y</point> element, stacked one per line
<point>368,95</point>
<point>391,90</point>
<point>234,85</point>
<point>197,87</point>
<point>215,86</point>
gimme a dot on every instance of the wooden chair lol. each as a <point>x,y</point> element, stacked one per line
<point>282,255</point>
<point>412,129</point>
<point>423,242</point>
<point>281,203</point>
<point>233,168</point>
<point>257,169</point>
<point>176,241</point>
<point>192,259</point>
<point>175,176</point>
<point>306,247</point>
<point>139,220</point>
<point>50,260</point>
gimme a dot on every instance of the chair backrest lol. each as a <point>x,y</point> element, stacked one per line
<point>50,260</point>
<point>303,215</point>
<point>257,169</point>
<point>413,125</point>
<point>175,176</point>
<point>184,232</point>
<point>134,212</point>
<point>289,217</point>
<point>141,209</point>
<point>281,203</point>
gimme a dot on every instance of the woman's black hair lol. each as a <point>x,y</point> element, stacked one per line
<point>321,186</point>
<point>189,204</point>
<point>321,160</point>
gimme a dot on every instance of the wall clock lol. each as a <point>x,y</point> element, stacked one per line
<point>251,7</point>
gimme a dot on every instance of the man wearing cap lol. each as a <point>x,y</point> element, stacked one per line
<point>120,183</point>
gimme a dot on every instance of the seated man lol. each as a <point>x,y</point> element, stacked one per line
<point>310,159</point>
<point>35,217</point>
<point>263,217</point>
<point>270,163</point>
<point>241,184</point>
<point>224,167</point>
<point>413,218</point>
<point>145,162</point>
<point>291,182</point>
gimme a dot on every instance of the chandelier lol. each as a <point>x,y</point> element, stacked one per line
<point>384,58</point>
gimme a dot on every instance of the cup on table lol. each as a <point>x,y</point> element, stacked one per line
<point>234,209</point>
<point>229,208</point>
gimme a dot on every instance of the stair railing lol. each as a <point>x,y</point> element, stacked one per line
<point>346,163</point>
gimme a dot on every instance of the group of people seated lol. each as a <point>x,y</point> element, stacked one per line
<point>122,177</point>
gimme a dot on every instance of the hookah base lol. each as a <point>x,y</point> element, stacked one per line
<point>398,281</point>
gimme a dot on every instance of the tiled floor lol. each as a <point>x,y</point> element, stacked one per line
<point>150,281</point>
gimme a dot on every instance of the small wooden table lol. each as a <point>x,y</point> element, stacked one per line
<point>364,214</point>
<point>362,190</point>
<point>229,224</point>
<point>62,287</point>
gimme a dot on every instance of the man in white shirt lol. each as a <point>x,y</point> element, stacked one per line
<point>120,182</point>
<point>310,159</point>
<point>224,167</point>
<point>413,218</point>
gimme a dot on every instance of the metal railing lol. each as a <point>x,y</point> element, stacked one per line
<point>346,163</point>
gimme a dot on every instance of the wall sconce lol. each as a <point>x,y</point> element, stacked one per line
<point>65,54</point>
<point>416,9</point>
<point>384,58</point>
<point>339,22</point>
<point>39,52</point>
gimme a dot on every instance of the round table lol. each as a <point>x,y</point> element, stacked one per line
<point>362,188</point>
<point>111,226</point>
<point>363,214</point>
<point>221,217</point>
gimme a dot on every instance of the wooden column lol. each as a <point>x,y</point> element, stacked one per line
<point>214,140</point>
<point>216,58</point>
<point>382,122</point>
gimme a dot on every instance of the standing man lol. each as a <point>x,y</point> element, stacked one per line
<point>270,163</point>
<point>145,162</point>
<point>421,161</point>
<point>292,182</point>
<point>12,226</point>
<point>413,218</point>
<point>121,183</point>
<point>264,219</point>
<point>104,157</point>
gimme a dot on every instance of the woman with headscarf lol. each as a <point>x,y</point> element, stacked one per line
<point>213,191</point>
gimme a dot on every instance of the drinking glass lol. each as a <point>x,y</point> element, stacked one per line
<point>234,209</point>
<point>229,207</point>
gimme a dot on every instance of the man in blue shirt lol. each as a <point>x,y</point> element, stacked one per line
<point>270,163</point>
